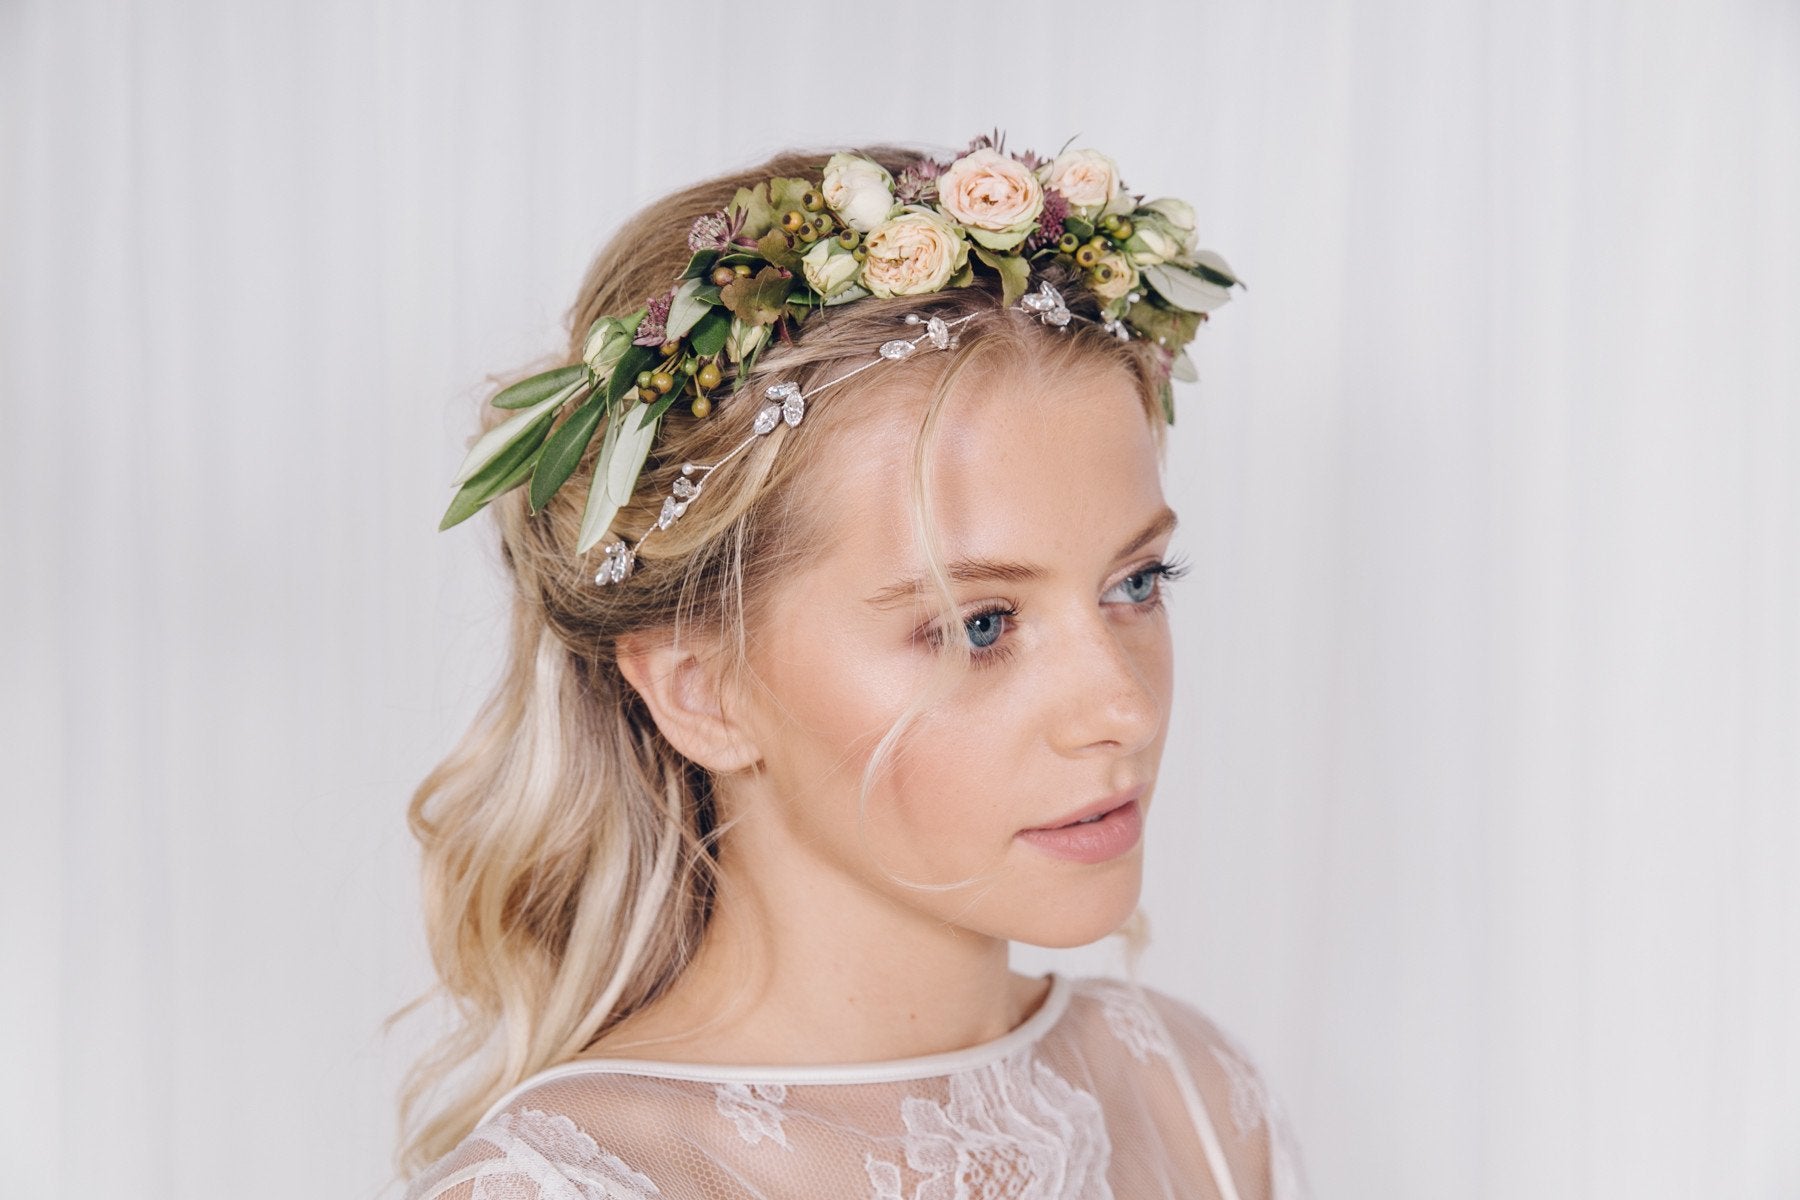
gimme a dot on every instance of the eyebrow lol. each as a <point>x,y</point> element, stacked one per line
<point>978,570</point>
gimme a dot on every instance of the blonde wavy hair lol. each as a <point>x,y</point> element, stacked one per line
<point>569,852</point>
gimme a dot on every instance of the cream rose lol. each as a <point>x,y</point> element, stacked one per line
<point>913,252</point>
<point>1124,276</point>
<point>996,196</point>
<point>859,190</point>
<point>1088,178</point>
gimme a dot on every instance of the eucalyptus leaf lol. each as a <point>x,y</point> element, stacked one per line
<point>527,392</point>
<point>495,441</point>
<point>684,310</point>
<point>622,454</point>
<point>562,453</point>
<point>1215,268</point>
<point>503,472</point>
<point>1184,288</point>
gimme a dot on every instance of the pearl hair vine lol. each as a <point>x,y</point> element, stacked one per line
<point>786,249</point>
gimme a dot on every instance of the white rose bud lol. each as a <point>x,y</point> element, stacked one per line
<point>1152,241</point>
<point>1180,216</point>
<point>1088,178</point>
<point>859,190</point>
<point>606,343</point>
<point>995,196</point>
<point>829,267</point>
<point>913,252</point>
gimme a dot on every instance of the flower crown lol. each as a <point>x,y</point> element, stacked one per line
<point>789,247</point>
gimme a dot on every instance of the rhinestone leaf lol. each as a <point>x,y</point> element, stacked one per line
<point>685,488</point>
<point>768,418</point>
<point>897,349</point>
<point>938,332</point>
<point>778,391</point>
<point>667,516</point>
<point>793,408</point>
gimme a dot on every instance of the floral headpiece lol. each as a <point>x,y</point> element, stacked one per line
<point>788,247</point>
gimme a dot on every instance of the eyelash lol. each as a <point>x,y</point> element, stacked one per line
<point>1164,573</point>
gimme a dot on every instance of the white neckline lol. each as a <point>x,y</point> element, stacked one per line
<point>883,1070</point>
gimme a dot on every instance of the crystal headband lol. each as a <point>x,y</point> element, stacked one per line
<point>789,247</point>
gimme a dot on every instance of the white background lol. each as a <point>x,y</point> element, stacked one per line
<point>1481,821</point>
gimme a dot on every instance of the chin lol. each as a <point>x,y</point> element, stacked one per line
<point>1063,908</point>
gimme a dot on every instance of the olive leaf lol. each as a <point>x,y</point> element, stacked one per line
<point>500,474</point>
<point>562,452</point>
<point>625,372</point>
<point>1185,288</point>
<point>1167,395</point>
<point>527,392</point>
<point>1182,368</point>
<point>700,264</point>
<point>684,309</point>
<point>496,440</point>
<point>622,453</point>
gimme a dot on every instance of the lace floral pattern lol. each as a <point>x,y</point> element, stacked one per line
<point>755,1109</point>
<point>544,1156</point>
<point>1013,1130</point>
<point>1132,1023</point>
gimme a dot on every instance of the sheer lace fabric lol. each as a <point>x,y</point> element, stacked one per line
<point>1109,1091</point>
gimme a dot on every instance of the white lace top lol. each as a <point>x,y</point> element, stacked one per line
<point>1109,1091</point>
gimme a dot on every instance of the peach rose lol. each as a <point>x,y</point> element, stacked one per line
<point>1088,178</point>
<point>912,252</point>
<point>996,196</point>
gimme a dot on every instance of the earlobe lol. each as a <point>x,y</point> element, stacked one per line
<point>681,688</point>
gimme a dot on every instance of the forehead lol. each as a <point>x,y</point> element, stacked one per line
<point>1023,465</point>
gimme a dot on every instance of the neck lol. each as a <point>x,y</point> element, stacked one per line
<point>809,967</point>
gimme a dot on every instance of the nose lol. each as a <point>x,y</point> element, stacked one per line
<point>1108,686</point>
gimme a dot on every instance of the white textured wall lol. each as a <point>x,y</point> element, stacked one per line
<point>1482,824</point>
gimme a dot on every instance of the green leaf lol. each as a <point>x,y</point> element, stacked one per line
<point>624,374</point>
<point>757,299</point>
<point>502,473</point>
<point>527,392</point>
<point>684,310</point>
<point>562,453</point>
<point>1185,288</point>
<point>653,411</point>
<point>700,264</point>
<point>708,335</point>
<point>1080,228</point>
<point>1182,368</point>
<point>1167,395</point>
<point>495,441</point>
<point>622,454</point>
<point>1014,272</point>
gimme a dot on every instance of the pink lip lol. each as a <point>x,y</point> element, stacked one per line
<point>1119,828</point>
<point>1103,805</point>
<point>1112,835</point>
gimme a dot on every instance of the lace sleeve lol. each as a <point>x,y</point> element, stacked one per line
<point>1247,1116</point>
<point>530,1154</point>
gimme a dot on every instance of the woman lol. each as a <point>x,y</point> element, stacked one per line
<point>725,876</point>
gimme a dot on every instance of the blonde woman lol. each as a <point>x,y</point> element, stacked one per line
<point>723,880</point>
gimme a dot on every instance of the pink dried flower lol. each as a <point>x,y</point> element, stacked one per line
<point>1050,221</point>
<point>715,230</point>
<point>651,329</point>
<point>917,181</point>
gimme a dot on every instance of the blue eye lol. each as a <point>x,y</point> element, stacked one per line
<point>987,625</point>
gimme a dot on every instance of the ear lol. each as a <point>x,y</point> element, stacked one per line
<point>681,686</point>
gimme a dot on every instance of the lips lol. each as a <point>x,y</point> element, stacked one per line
<point>1104,805</point>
